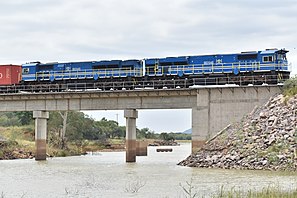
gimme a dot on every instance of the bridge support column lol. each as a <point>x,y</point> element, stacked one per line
<point>40,133</point>
<point>201,120</point>
<point>130,115</point>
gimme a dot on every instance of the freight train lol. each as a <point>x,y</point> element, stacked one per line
<point>253,67</point>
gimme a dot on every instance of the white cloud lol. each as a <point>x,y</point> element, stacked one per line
<point>55,30</point>
<point>81,30</point>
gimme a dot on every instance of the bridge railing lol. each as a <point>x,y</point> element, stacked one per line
<point>144,84</point>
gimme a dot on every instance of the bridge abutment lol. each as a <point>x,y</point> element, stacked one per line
<point>40,133</point>
<point>216,108</point>
<point>130,115</point>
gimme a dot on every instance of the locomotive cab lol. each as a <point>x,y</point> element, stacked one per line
<point>274,60</point>
<point>29,71</point>
<point>281,59</point>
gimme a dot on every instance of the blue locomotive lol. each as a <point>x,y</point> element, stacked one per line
<point>269,62</point>
<point>92,70</point>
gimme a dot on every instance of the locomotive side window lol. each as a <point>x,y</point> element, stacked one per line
<point>267,58</point>
<point>25,70</point>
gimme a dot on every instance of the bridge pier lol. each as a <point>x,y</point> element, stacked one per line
<point>130,115</point>
<point>40,133</point>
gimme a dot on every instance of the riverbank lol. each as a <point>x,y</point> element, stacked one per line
<point>266,139</point>
<point>10,150</point>
<point>18,142</point>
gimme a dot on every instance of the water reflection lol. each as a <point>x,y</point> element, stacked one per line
<point>107,175</point>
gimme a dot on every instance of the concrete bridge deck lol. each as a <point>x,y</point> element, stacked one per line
<point>213,108</point>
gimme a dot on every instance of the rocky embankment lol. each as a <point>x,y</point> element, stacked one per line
<point>266,139</point>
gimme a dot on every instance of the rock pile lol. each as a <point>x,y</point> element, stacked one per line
<point>264,139</point>
<point>164,143</point>
<point>8,151</point>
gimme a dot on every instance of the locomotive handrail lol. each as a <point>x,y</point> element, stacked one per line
<point>172,70</point>
<point>223,66</point>
<point>66,74</point>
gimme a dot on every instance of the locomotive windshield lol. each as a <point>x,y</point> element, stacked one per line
<point>281,57</point>
<point>281,54</point>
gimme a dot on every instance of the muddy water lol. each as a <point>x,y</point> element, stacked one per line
<point>107,175</point>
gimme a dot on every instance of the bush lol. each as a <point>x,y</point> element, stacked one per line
<point>290,87</point>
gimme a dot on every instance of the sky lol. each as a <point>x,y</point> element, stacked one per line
<point>84,30</point>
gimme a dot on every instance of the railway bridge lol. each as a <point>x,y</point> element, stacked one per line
<point>213,107</point>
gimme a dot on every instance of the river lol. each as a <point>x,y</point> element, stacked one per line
<point>106,174</point>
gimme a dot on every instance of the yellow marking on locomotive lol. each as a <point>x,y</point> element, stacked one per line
<point>156,67</point>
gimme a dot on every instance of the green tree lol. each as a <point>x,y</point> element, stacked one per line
<point>74,126</point>
<point>145,133</point>
<point>166,136</point>
<point>25,117</point>
<point>9,119</point>
<point>108,127</point>
<point>16,118</point>
<point>54,126</point>
<point>120,132</point>
<point>80,126</point>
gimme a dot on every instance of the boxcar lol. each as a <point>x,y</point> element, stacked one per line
<point>10,74</point>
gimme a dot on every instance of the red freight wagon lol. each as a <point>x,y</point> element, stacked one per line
<point>10,74</point>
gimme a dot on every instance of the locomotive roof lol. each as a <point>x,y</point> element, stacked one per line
<point>267,51</point>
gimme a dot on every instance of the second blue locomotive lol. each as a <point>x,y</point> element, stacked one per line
<point>270,61</point>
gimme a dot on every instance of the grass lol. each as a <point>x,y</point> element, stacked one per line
<point>18,133</point>
<point>272,191</point>
<point>117,141</point>
<point>188,189</point>
<point>134,186</point>
<point>23,135</point>
<point>266,192</point>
